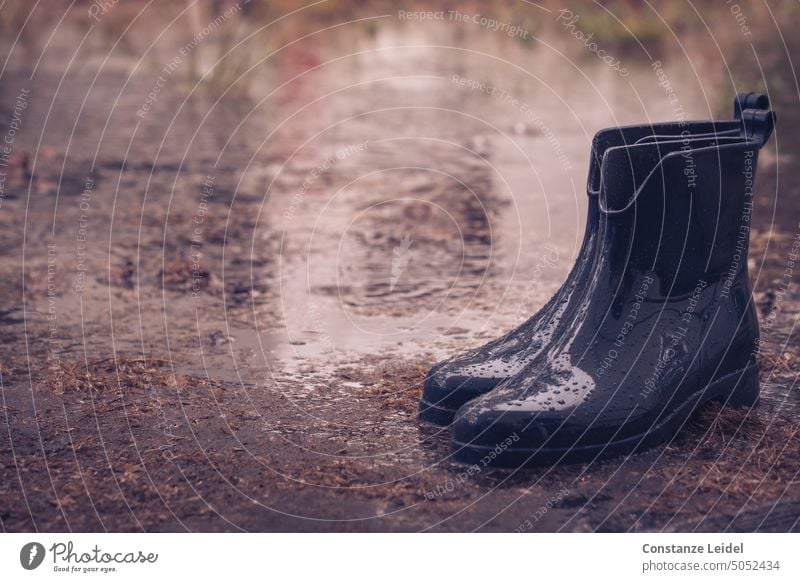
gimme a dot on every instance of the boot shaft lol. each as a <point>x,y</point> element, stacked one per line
<point>684,219</point>
<point>642,134</point>
<point>638,134</point>
<point>682,212</point>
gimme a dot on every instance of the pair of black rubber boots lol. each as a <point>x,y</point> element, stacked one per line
<point>655,319</point>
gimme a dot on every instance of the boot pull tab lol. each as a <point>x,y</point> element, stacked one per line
<point>758,124</point>
<point>751,100</point>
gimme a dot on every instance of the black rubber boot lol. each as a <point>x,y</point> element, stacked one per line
<point>665,324</point>
<point>453,382</point>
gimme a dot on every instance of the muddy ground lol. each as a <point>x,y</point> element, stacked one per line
<point>217,306</point>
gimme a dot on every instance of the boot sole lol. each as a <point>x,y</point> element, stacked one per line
<point>436,414</point>
<point>737,389</point>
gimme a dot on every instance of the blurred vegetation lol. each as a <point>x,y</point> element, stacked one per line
<point>609,20</point>
<point>219,62</point>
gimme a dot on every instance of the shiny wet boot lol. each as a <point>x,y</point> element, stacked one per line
<point>666,322</point>
<point>455,381</point>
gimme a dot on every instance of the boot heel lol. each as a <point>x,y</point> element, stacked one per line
<point>740,389</point>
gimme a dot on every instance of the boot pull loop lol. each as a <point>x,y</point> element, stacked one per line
<point>758,124</point>
<point>751,100</point>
